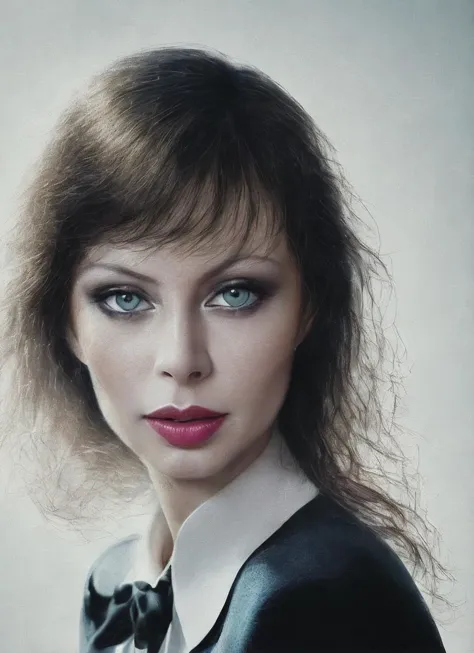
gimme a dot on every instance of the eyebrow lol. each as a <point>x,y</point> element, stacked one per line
<point>121,269</point>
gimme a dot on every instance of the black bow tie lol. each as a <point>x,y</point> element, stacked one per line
<point>135,609</point>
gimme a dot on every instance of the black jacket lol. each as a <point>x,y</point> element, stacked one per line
<point>323,583</point>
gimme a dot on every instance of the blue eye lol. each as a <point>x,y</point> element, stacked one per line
<point>126,300</point>
<point>237,296</point>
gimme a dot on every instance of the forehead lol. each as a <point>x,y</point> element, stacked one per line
<point>219,247</point>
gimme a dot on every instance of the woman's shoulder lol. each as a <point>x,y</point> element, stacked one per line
<point>328,556</point>
<point>325,538</point>
<point>335,581</point>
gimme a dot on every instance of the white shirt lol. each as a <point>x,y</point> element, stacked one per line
<point>215,541</point>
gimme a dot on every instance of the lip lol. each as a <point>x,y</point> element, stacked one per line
<point>188,413</point>
<point>186,434</point>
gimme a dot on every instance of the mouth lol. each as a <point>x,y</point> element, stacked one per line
<point>186,433</point>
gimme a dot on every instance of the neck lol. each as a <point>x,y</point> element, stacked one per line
<point>179,498</point>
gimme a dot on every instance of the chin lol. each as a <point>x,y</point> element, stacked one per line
<point>197,463</point>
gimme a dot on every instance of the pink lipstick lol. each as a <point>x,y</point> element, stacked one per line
<point>186,427</point>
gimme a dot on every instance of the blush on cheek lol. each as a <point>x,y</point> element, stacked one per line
<point>270,379</point>
<point>271,359</point>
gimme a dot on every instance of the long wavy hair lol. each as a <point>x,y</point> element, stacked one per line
<point>174,146</point>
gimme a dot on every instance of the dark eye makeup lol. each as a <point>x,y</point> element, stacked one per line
<point>102,294</point>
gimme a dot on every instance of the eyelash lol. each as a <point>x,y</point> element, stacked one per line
<point>100,295</point>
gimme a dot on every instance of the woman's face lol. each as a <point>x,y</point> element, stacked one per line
<point>168,329</point>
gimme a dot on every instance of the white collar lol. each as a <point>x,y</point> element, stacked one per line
<point>219,535</point>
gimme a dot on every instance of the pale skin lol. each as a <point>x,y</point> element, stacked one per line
<point>185,345</point>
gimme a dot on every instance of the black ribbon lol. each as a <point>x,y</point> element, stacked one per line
<point>135,609</point>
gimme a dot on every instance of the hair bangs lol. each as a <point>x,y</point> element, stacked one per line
<point>205,218</point>
<point>164,188</point>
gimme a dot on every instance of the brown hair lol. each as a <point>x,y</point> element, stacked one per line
<point>170,146</point>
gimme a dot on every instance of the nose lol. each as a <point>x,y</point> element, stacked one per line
<point>182,351</point>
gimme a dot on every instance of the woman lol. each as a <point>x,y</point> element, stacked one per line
<point>189,308</point>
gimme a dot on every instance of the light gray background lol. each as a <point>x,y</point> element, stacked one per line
<point>390,82</point>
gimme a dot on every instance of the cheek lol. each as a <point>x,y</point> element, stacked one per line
<point>111,361</point>
<point>113,368</point>
<point>113,375</point>
<point>258,365</point>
